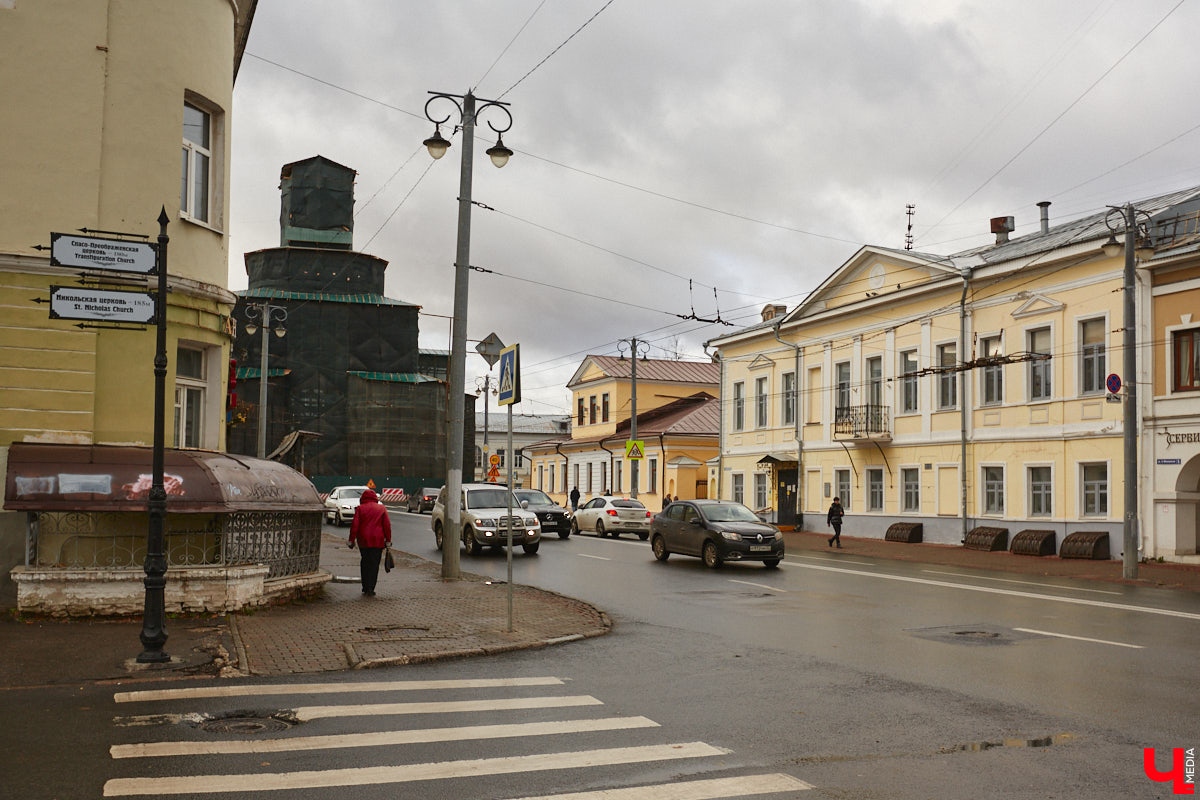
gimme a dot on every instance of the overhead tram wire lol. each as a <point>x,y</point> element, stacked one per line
<point>1061,114</point>
<point>516,36</point>
<point>555,50</point>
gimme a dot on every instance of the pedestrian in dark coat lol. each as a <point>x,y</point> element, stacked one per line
<point>575,498</point>
<point>834,519</point>
<point>372,530</point>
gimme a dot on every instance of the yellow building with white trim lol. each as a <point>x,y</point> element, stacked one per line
<point>860,391</point>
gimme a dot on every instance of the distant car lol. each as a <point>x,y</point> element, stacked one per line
<point>422,501</point>
<point>554,518</point>
<point>341,503</point>
<point>716,531</point>
<point>612,516</point>
<point>485,519</point>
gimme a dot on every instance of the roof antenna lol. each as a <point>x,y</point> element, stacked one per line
<point>910,210</point>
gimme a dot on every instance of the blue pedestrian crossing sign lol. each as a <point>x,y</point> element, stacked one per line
<point>510,376</point>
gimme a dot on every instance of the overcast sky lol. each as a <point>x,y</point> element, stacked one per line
<point>749,146</point>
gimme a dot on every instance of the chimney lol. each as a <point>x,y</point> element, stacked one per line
<point>771,311</point>
<point>1002,227</point>
<point>1045,207</point>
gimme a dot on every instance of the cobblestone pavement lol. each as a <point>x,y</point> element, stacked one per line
<point>415,616</point>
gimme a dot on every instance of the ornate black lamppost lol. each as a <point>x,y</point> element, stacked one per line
<point>265,313</point>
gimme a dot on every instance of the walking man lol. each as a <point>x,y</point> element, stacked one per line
<point>575,498</point>
<point>372,530</point>
<point>834,519</point>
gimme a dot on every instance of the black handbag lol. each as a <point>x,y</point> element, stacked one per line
<point>388,562</point>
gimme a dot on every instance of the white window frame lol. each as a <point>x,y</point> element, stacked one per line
<point>875,490</point>
<point>993,374</point>
<point>761,491</point>
<point>739,405</point>
<point>910,385</point>
<point>202,391</point>
<point>1029,496</point>
<point>619,477</point>
<point>788,399</point>
<point>1171,332</point>
<point>874,382</point>
<point>652,475</point>
<point>1043,366</point>
<point>841,389</point>
<point>1084,490</point>
<point>762,400</point>
<point>905,507</point>
<point>737,487</point>
<point>946,379</point>
<point>191,153</point>
<point>1083,355</point>
<point>985,490</point>
<point>840,474</point>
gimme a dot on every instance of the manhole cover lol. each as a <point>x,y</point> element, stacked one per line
<point>978,634</point>
<point>246,723</point>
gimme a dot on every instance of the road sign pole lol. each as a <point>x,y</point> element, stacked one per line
<point>509,454</point>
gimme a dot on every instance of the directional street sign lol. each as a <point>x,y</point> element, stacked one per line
<point>105,305</point>
<point>510,376</point>
<point>490,349</point>
<point>93,252</point>
<point>635,449</point>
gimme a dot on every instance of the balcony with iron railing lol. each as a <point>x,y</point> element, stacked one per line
<point>865,423</point>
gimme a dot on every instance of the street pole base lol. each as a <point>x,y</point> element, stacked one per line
<point>153,657</point>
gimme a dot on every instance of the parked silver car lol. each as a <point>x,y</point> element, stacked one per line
<point>612,516</point>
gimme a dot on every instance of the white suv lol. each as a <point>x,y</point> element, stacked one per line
<point>484,519</point>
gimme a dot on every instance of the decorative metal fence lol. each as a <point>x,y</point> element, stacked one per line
<point>289,543</point>
<point>862,422</point>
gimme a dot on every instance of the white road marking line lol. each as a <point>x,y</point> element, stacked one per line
<point>1078,601</point>
<point>710,789</point>
<point>329,688</point>
<point>598,558</point>
<point>1010,580</point>
<point>365,776</point>
<point>307,713</point>
<point>379,738</point>
<point>759,585</point>
<point>831,558</point>
<point>1080,638</point>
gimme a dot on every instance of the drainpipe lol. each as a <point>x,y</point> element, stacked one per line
<point>566,480</point>
<point>662,469</point>
<point>720,421</point>
<point>962,398</point>
<point>796,422</point>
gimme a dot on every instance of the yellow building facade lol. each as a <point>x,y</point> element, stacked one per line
<point>677,423</point>
<point>113,110</point>
<point>958,391</point>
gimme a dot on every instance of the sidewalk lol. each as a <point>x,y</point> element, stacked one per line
<point>418,617</point>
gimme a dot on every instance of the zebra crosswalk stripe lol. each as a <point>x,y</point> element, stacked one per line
<point>363,776</point>
<point>241,690</point>
<point>710,789</point>
<point>375,739</point>
<point>306,713</point>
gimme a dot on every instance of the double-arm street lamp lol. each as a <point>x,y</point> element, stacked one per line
<point>636,347</point>
<point>1138,246</point>
<point>265,313</point>
<point>469,108</point>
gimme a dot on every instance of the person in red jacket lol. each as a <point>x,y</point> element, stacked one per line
<point>372,530</point>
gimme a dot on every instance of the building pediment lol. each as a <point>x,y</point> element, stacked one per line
<point>1037,304</point>
<point>761,362</point>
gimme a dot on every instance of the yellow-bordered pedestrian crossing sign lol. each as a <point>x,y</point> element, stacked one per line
<point>510,376</point>
<point>635,448</point>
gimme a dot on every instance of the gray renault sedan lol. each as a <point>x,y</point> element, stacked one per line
<point>716,531</point>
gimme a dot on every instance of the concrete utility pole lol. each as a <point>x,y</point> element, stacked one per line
<point>437,146</point>
<point>634,344</point>
<point>265,313</point>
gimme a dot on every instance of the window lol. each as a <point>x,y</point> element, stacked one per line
<point>1041,492</point>
<point>875,381</point>
<point>589,478</point>
<point>874,490</point>
<point>577,476</point>
<point>739,406</point>
<point>478,458</point>
<point>579,413</point>
<point>1185,365</point>
<point>564,479</point>
<point>789,398</point>
<point>908,372</point>
<point>760,490</point>
<point>618,478</point>
<point>552,484</point>
<point>652,485</point>
<point>1091,356</point>
<point>1095,490</point>
<point>814,395</point>
<point>841,477</point>
<point>1040,387</point>
<point>190,384</point>
<point>760,402</point>
<point>541,478</point>
<point>592,410</point>
<point>993,490</point>
<point>910,487</point>
<point>842,389</point>
<point>948,379</point>
<point>739,487</point>
<point>503,458</point>
<point>993,374</point>
<point>196,171</point>
<point>604,477</point>
<point>604,407</point>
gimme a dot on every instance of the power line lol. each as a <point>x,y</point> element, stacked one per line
<point>510,43</point>
<point>555,50</point>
